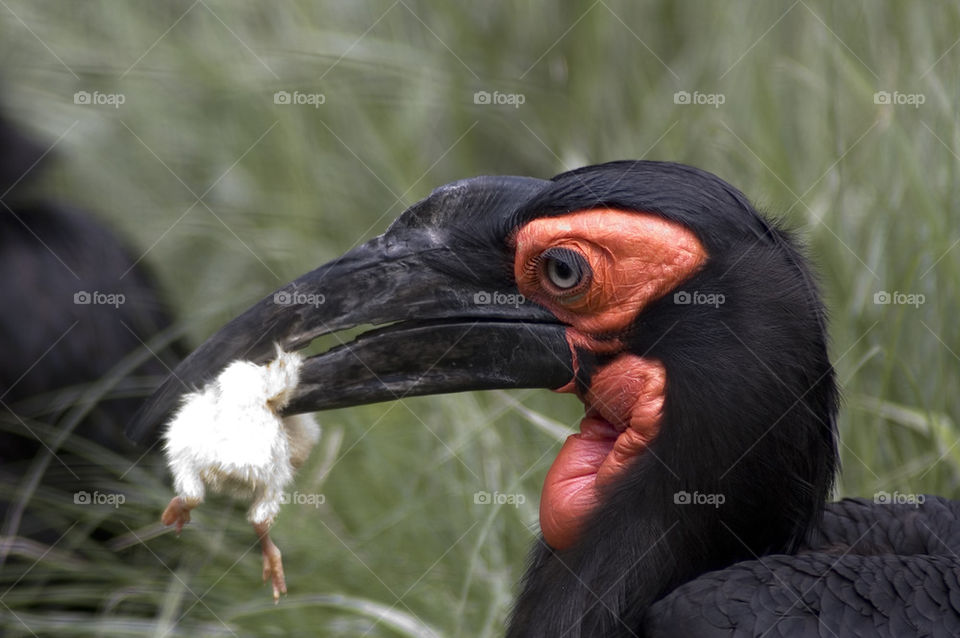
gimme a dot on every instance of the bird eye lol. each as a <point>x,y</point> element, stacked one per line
<point>564,269</point>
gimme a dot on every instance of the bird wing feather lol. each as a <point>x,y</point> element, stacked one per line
<point>876,570</point>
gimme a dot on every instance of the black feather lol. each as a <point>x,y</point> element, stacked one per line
<point>55,349</point>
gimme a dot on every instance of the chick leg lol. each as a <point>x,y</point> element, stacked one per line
<point>272,564</point>
<point>177,512</point>
<point>190,492</point>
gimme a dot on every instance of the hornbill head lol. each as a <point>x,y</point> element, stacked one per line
<point>690,327</point>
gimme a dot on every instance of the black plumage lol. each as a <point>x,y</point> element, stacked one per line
<point>66,353</point>
<point>873,570</point>
<point>50,253</point>
<point>748,381</point>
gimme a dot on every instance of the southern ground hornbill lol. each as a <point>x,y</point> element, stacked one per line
<point>692,501</point>
<point>74,368</point>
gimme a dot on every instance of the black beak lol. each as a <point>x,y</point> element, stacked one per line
<point>441,277</point>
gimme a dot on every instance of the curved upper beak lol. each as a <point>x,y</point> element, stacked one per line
<point>456,320</point>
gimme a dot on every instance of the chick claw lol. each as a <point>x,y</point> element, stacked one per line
<point>272,563</point>
<point>177,512</point>
<point>273,570</point>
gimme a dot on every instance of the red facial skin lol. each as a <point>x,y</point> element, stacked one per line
<point>635,258</point>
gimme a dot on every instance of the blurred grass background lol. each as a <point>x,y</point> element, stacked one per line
<point>228,194</point>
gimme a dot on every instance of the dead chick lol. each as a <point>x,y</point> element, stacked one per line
<point>230,437</point>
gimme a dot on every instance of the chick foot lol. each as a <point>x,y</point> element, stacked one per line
<point>177,513</point>
<point>272,563</point>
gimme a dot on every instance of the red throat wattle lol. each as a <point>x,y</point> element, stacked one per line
<point>623,409</point>
<point>634,258</point>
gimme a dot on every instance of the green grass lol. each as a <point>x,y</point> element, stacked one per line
<point>399,547</point>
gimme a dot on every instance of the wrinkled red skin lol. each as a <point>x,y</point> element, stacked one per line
<point>635,258</point>
<point>605,445</point>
